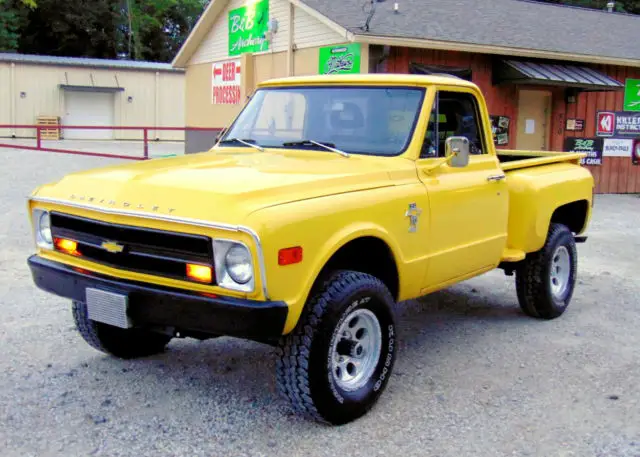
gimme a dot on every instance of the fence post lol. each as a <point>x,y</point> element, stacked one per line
<point>146,143</point>
<point>38,137</point>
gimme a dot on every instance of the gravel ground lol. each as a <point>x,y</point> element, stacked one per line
<point>474,376</point>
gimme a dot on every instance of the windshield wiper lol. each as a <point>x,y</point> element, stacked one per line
<point>325,145</point>
<point>246,142</point>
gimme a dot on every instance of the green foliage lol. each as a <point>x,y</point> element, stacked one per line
<point>159,27</point>
<point>138,29</point>
<point>622,6</point>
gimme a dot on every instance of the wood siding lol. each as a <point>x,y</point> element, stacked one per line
<point>501,101</point>
<point>308,32</point>
<point>615,175</point>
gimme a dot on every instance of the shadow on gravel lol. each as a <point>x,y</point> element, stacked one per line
<point>229,373</point>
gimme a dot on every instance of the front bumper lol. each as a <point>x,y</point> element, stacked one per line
<point>157,306</point>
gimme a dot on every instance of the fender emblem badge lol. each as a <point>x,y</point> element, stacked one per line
<point>413,213</point>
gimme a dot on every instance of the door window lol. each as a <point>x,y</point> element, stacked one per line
<point>453,114</point>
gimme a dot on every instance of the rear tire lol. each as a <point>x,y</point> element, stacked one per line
<point>334,366</point>
<point>123,343</point>
<point>546,279</point>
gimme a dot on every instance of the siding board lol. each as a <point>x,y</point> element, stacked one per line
<point>615,175</point>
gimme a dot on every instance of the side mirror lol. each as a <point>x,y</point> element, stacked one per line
<point>457,151</point>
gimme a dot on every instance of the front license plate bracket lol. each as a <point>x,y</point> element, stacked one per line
<point>108,307</point>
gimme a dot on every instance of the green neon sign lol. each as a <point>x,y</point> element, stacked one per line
<point>632,95</point>
<point>339,59</point>
<point>247,27</point>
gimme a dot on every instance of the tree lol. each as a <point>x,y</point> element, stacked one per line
<point>11,21</point>
<point>621,6</point>
<point>155,29</point>
<point>138,29</point>
<point>75,28</point>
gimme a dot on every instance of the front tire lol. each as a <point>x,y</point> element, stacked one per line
<point>123,343</point>
<point>335,365</point>
<point>547,278</point>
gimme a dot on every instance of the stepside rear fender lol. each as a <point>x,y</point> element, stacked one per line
<point>536,193</point>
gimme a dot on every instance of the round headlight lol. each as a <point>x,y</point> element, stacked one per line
<point>238,263</point>
<point>44,225</point>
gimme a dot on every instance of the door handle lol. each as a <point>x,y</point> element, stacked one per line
<point>496,178</point>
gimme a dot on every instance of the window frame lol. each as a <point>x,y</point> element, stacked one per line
<point>478,117</point>
<point>410,135</point>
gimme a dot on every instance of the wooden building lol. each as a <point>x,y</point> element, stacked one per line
<point>550,73</point>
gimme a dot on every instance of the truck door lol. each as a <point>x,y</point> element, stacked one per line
<point>469,206</point>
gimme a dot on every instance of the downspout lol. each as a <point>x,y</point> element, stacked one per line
<point>157,106</point>
<point>290,61</point>
<point>12,102</point>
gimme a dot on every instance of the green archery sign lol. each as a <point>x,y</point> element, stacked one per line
<point>247,27</point>
<point>339,59</point>
<point>632,95</point>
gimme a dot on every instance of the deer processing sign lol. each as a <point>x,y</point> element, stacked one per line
<point>225,82</point>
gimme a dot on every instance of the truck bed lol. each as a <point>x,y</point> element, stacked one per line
<point>511,159</point>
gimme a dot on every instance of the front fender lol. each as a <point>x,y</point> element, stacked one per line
<point>322,226</point>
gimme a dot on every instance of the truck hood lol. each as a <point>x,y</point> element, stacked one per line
<point>223,186</point>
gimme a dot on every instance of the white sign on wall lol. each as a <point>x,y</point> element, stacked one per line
<point>617,148</point>
<point>226,82</point>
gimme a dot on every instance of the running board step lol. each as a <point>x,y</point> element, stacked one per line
<point>513,255</point>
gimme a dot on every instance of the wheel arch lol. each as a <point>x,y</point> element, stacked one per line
<point>574,215</point>
<point>349,241</point>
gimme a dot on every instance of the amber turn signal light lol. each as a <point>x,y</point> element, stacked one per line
<point>290,256</point>
<point>66,246</point>
<point>200,273</point>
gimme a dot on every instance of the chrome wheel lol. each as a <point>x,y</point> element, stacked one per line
<point>356,351</point>
<point>560,271</point>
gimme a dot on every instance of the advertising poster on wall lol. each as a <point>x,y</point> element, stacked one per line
<point>339,59</point>
<point>226,82</point>
<point>632,95</point>
<point>500,129</point>
<point>614,147</point>
<point>247,28</point>
<point>635,158</point>
<point>618,124</point>
<point>591,146</point>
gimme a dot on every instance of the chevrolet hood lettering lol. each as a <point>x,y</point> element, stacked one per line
<point>226,185</point>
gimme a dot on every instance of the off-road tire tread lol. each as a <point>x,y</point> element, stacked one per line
<point>530,284</point>
<point>293,352</point>
<point>125,344</point>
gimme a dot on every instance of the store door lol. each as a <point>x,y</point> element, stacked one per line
<point>534,120</point>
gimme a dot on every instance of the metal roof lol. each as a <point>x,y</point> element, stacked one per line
<point>87,62</point>
<point>518,24</point>
<point>528,72</point>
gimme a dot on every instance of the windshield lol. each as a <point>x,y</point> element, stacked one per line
<point>358,120</point>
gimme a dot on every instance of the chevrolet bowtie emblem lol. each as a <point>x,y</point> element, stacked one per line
<point>112,247</point>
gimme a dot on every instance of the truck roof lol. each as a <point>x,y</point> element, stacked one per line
<point>377,78</point>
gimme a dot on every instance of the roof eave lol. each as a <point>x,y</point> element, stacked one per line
<point>488,49</point>
<point>216,7</point>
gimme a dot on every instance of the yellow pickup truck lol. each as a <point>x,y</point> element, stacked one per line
<point>326,201</point>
